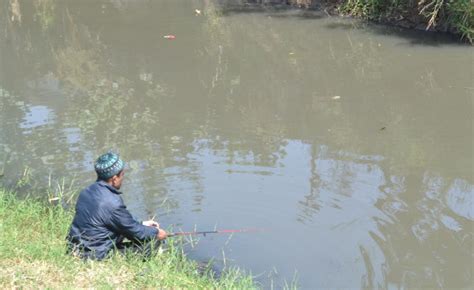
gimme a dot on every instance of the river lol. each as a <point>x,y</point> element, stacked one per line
<point>350,144</point>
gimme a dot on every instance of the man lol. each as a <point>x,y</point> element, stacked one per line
<point>102,220</point>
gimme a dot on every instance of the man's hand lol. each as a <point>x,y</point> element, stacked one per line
<point>151,223</point>
<point>162,234</point>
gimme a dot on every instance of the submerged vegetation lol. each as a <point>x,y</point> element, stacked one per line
<point>32,254</point>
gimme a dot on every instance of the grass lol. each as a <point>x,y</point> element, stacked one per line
<point>452,15</point>
<point>462,17</point>
<point>32,254</point>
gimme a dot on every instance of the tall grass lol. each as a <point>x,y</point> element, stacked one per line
<point>32,254</point>
<point>461,16</point>
<point>452,15</point>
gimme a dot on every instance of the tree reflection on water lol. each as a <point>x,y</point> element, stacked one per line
<point>241,94</point>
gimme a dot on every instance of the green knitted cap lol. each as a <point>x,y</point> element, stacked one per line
<point>108,165</point>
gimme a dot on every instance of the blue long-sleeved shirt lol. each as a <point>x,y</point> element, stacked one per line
<point>101,221</point>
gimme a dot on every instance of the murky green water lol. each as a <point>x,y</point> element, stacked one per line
<point>351,145</point>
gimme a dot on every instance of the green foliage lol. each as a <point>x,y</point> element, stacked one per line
<point>458,14</point>
<point>461,16</point>
<point>32,254</point>
<point>25,178</point>
<point>376,9</point>
<point>363,8</point>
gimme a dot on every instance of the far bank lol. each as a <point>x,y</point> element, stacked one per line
<point>449,16</point>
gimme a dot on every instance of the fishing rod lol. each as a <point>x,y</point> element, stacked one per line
<point>204,233</point>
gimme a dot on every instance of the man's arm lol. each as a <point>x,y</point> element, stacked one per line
<point>123,222</point>
<point>162,234</point>
<point>151,223</point>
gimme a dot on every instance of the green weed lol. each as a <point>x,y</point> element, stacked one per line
<point>456,15</point>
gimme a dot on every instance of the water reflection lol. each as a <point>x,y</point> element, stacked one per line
<point>343,138</point>
<point>353,199</point>
<point>460,198</point>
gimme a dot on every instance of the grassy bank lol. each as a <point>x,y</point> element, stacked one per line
<point>454,16</point>
<point>32,254</point>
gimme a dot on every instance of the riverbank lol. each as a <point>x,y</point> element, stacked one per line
<point>451,16</point>
<point>32,254</point>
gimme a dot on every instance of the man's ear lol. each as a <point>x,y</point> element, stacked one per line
<point>113,179</point>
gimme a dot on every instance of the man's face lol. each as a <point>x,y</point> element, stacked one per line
<point>117,180</point>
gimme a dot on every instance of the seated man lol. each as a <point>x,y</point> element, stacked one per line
<point>102,220</point>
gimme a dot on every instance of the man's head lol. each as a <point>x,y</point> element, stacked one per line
<point>110,168</point>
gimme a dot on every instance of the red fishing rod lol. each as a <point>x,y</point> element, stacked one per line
<point>204,233</point>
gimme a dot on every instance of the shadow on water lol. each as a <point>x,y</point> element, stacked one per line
<point>272,10</point>
<point>413,37</point>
